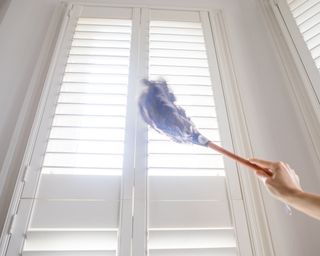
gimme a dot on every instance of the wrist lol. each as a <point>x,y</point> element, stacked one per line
<point>292,195</point>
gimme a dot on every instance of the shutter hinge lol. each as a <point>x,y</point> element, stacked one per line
<point>132,226</point>
<point>70,11</point>
<point>12,224</point>
<point>25,171</point>
<point>4,245</point>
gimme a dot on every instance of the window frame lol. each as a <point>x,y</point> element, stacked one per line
<point>302,56</point>
<point>228,89</point>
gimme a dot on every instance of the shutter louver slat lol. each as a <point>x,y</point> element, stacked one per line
<point>69,253</point>
<point>82,160</point>
<point>77,206</point>
<point>89,109</point>
<point>188,203</point>
<point>80,171</point>
<point>93,88</point>
<point>106,28</point>
<point>88,121</point>
<point>194,252</point>
<point>99,147</point>
<point>102,36</point>
<point>307,16</point>
<point>104,22</point>
<point>94,78</point>
<point>99,51</point>
<point>191,188</point>
<point>177,38</point>
<point>100,43</point>
<point>86,187</point>
<point>180,71</point>
<point>167,61</point>
<point>88,98</point>
<point>98,69</point>
<point>200,161</point>
<point>159,147</point>
<point>206,238</point>
<point>84,59</point>
<point>176,46</point>
<point>177,214</point>
<point>88,134</point>
<point>71,241</point>
<point>69,214</point>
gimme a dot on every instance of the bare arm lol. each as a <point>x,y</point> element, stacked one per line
<point>285,186</point>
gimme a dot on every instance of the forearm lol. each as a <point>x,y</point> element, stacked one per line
<point>307,203</point>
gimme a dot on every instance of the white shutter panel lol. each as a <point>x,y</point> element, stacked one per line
<point>307,16</point>
<point>76,208</point>
<point>188,204</point>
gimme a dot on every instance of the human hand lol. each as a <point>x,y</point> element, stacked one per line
<point>284,184</point>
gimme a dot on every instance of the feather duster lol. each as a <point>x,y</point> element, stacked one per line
<point>158,109</point>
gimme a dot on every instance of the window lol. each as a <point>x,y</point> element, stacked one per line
<point>97,181</point>
<point>307,16</point>
<point>302,21</point>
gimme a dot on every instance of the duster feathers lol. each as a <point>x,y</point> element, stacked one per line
<point>158,109</point>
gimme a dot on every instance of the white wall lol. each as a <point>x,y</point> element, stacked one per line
<point>22,32</point>
<point>276,129</point>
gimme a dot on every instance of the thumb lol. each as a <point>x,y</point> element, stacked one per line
<point>262,174</point>
<point>262,163</point>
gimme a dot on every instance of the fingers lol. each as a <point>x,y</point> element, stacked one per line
<point>297,180</point>
<point>287,166</point>
<point>262,176</point>
<point>263,163</point>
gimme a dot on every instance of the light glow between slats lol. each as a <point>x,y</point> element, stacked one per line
<point>307,16</point>
<point>76,210</point>
<point>188,203</point>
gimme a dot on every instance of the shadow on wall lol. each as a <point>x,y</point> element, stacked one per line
<point>4,4</point>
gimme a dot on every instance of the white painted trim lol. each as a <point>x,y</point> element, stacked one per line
<point>233,184</point>
<point>126,227</point>
<point>254,208</point>
<point>133,5</point>
<point>298,82</point>
<point>140,225</point>
<point>57,25</point>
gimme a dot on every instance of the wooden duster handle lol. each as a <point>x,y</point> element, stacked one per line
<point>238,158</point>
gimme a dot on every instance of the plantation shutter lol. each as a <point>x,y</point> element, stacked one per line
<point>300,22</point>
<point>74,184</point>
<point>307,16</point>
<point>78,200</point>
<point>188,205</point>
